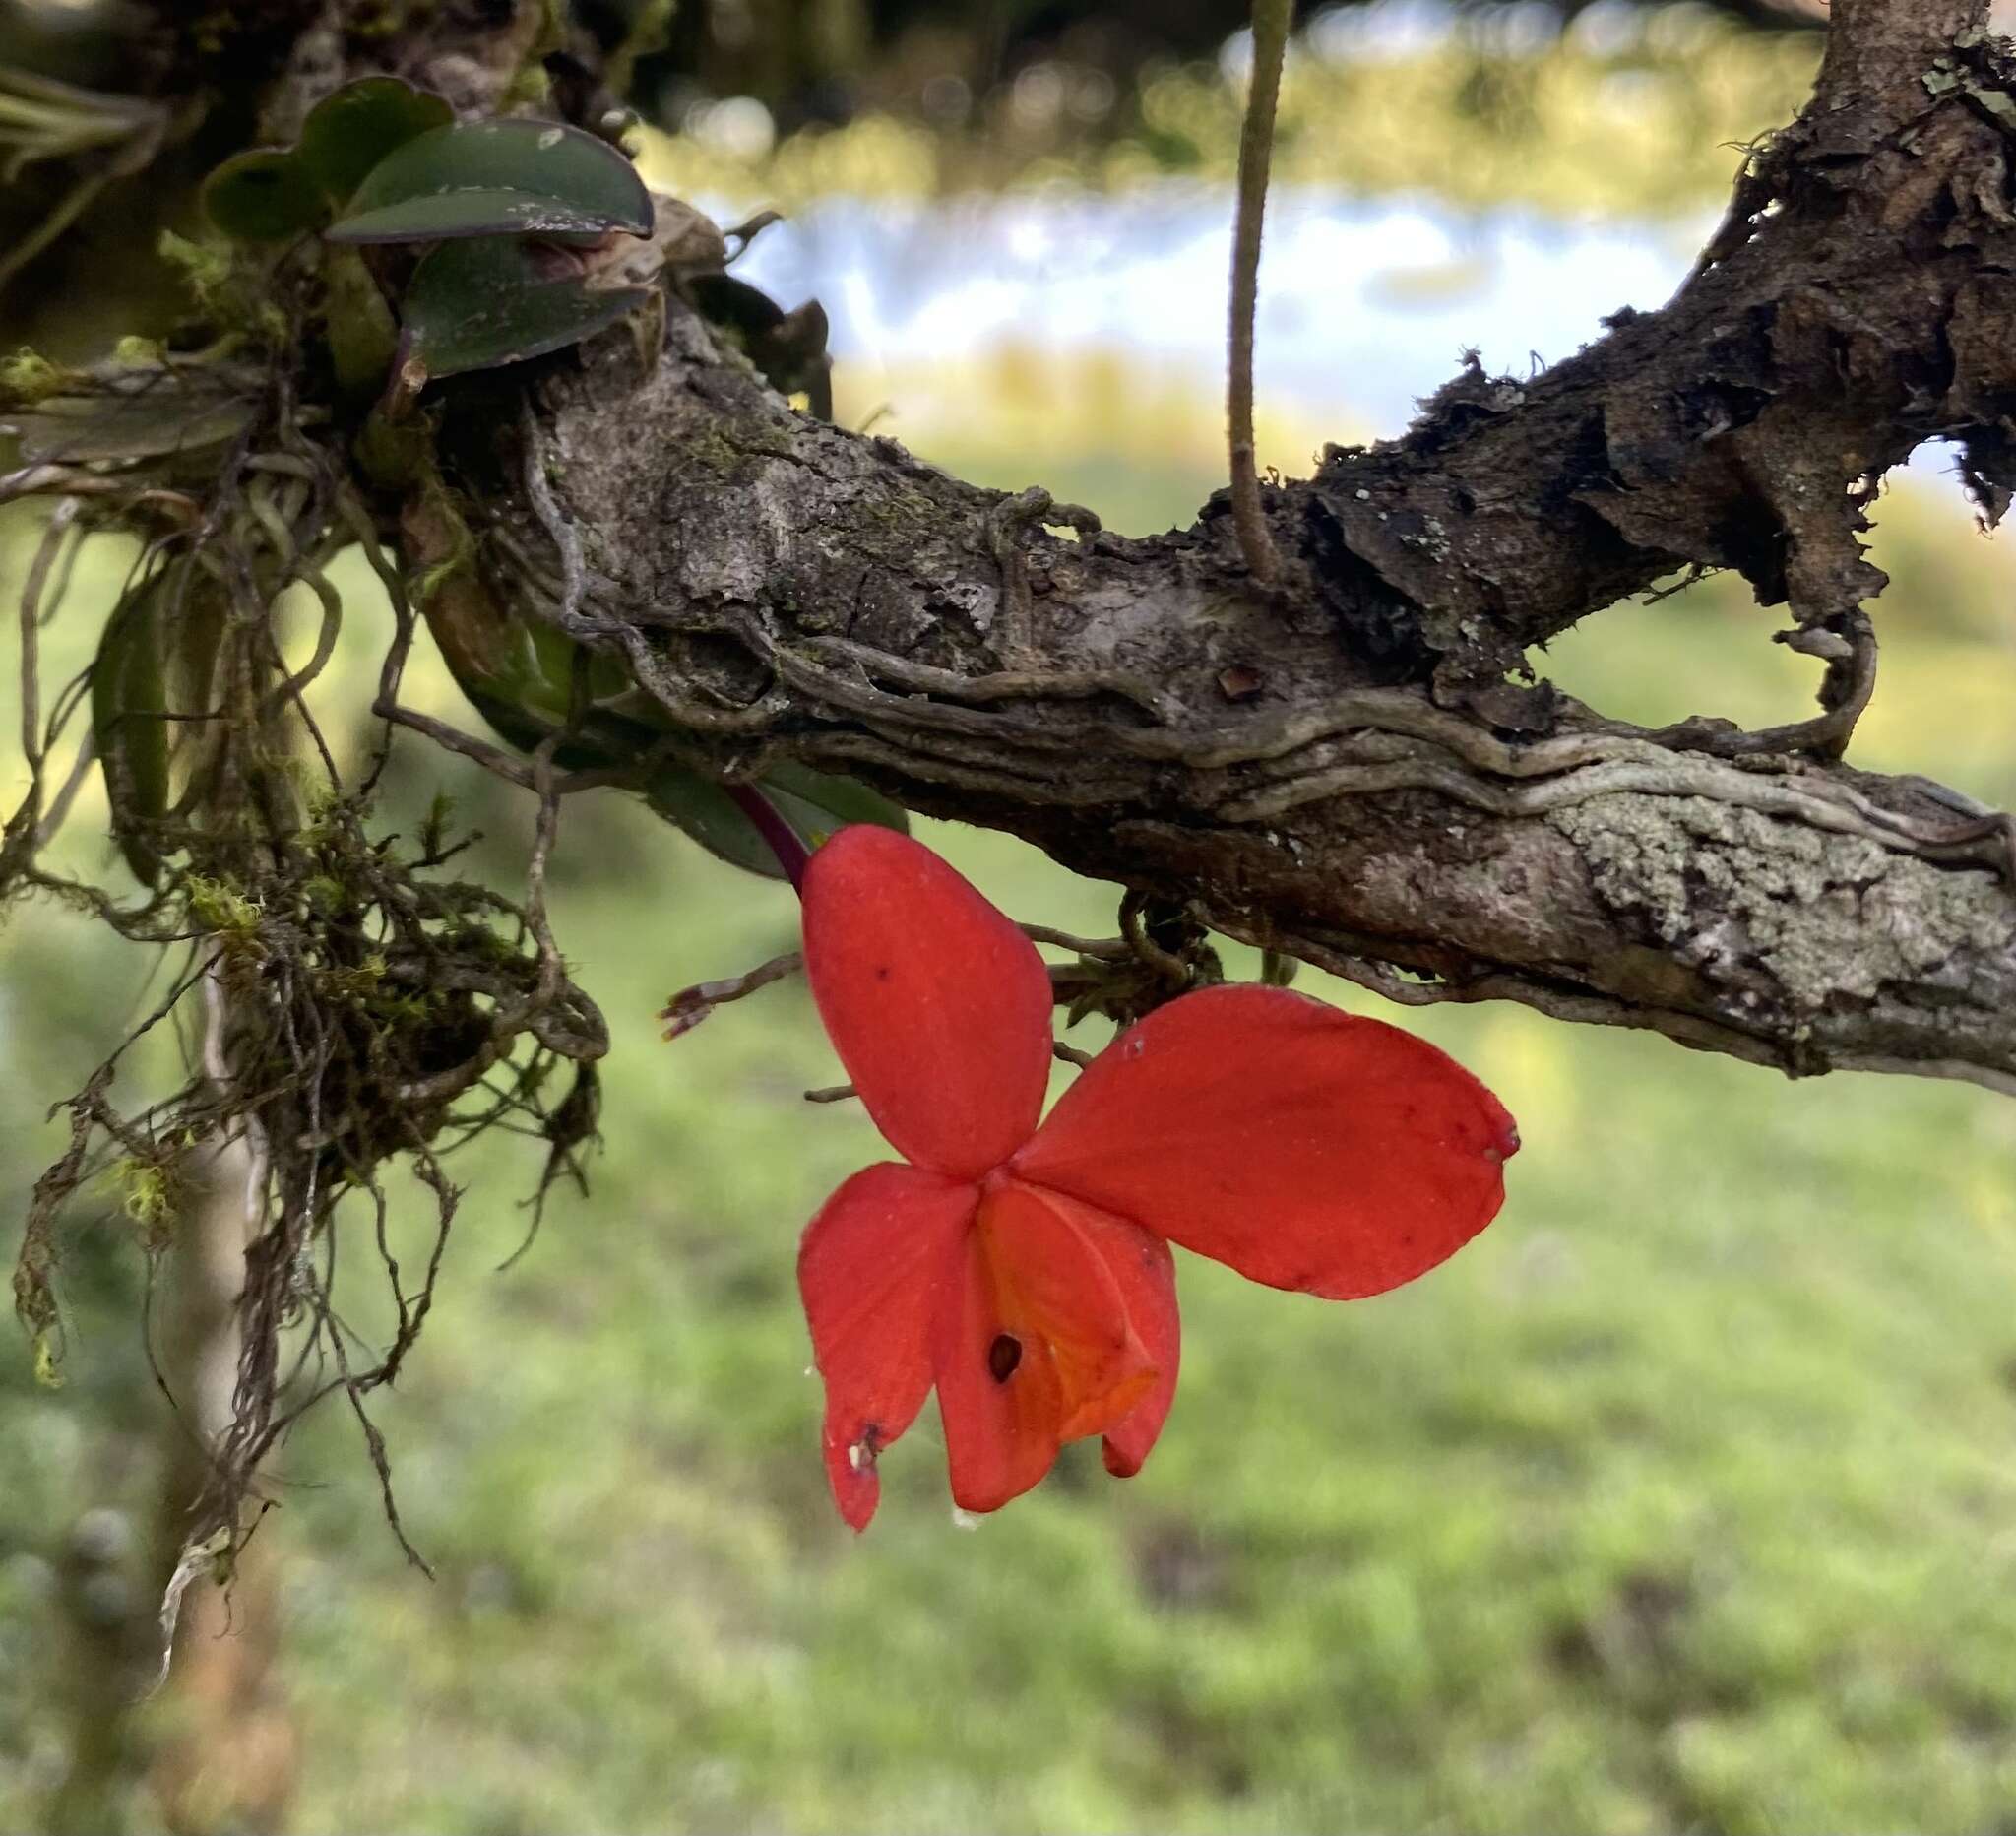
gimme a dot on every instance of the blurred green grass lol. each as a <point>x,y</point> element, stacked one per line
<point>1684,1498</point>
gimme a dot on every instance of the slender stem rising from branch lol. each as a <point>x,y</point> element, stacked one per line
<point>1256,149</point>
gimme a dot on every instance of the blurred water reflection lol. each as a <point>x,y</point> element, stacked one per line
<point>1366,303</point>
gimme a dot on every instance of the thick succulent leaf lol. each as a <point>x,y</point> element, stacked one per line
<point>520,675</point>
<point>266,195</point>
<point>454,216</point>
<point>1305,1148</point>
<point>488,179</point>
<point>533,666</point>
<point>195,615</point>
<point>480,305</point>
<point>143,425</point>
<point>735,306</point>
<point>356,128</point>
<point>128,700</point>
<point>938,1006</point>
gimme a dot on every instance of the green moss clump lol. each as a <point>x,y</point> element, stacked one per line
<point>28,377</point>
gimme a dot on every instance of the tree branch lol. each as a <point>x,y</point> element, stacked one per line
<point>1342,769</point>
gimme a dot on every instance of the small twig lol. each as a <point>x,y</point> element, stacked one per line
<point>1847,645</point>
<point>746,231</point>
<point>1256,148</point>
<point>690,1006</point>
<point>1070,1055</point>
<point>832,1092</point>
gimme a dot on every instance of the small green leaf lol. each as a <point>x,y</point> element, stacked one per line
<point>263,195</point>
<point>478,304</point>
<point>488,178</point>
<point>363,123</point>
<point>127,704</point>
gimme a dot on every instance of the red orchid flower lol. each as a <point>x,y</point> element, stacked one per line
<point>1025,1269</point>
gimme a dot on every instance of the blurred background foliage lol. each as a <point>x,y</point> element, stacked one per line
<point>1684,1498</point>
<point>1622,107</point>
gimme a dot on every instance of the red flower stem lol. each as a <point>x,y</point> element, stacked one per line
<point>781,838</point>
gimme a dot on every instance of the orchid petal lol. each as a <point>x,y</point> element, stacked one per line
<point>938,1006</point>
<point>1144,1273</point>
<point>1033,1347</point>
<point>873,1272</point>
<point>1305,1148</point>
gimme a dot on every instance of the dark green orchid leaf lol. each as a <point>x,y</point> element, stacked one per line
<point>812,804</point>
<point>488,179</point>
<point>143,425</point>
<point>707,813</point>
<point>815,804</point>
<point>362,124</point>
<point>264,196</point>
<point>529,668</point>
<point>128,702</point>
<point>520,675</point>
<point>523,677</point>
<point>451,216</point>
<point>475,305</point>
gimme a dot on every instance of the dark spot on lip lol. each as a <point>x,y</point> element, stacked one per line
<point>867,1444</point>
<point>1003,1355</point>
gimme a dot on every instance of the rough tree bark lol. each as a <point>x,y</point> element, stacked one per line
<point>1352,766</point>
